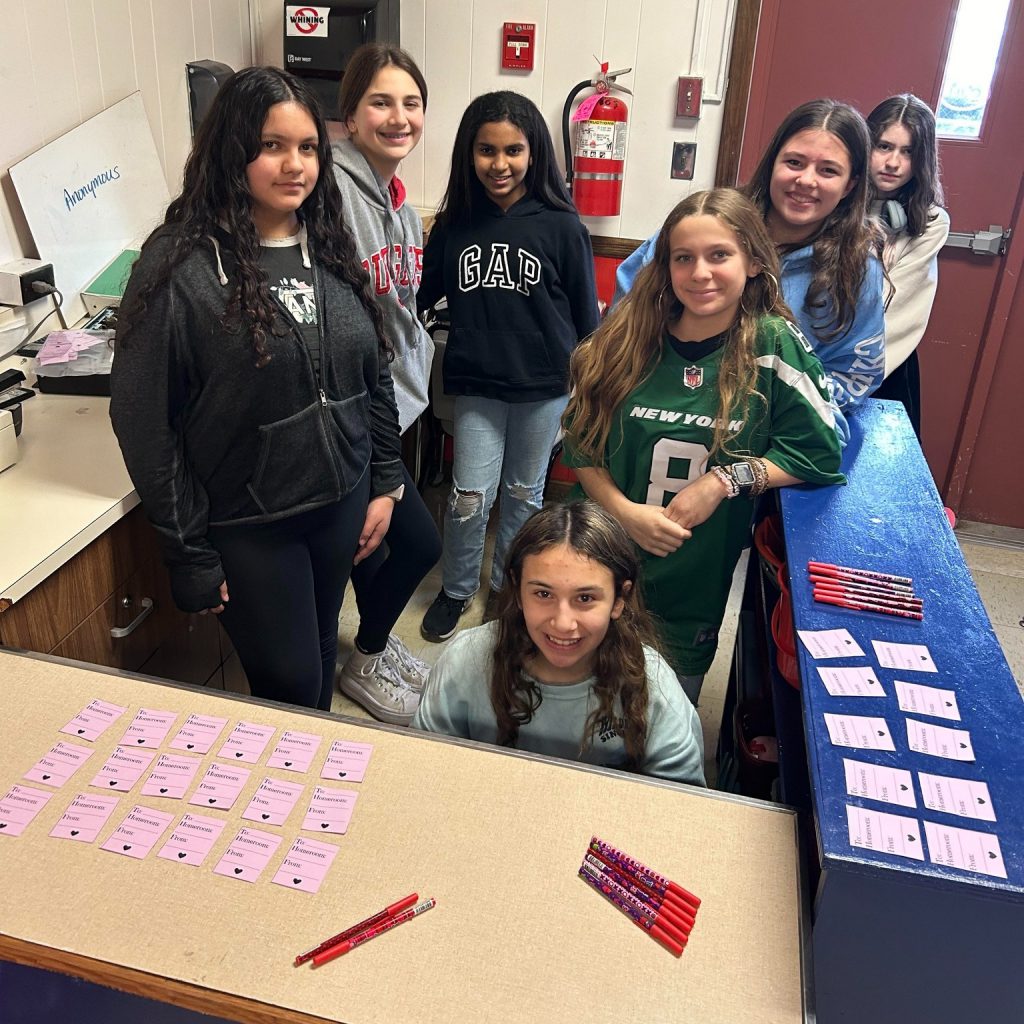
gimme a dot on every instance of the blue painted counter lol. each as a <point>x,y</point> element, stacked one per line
<point>897,939</point>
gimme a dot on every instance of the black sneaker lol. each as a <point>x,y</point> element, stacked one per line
<point>442,618</point>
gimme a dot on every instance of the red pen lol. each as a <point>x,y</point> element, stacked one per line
<point>667,903</point>
<point>657,906</point>
<point>860,581</point>
<point>348,933</point>
<point>872,597</point>
<point>906,581</point>
<point>640,920</point>
<point>611,888</point>
<point>649,878</point>
<point>371,933</point>
<point>861,607</point>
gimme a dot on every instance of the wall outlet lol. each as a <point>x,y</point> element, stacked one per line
<point>16,280</point>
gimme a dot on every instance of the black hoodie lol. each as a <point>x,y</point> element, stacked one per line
<point>209,439</point>
<point>521,295</point>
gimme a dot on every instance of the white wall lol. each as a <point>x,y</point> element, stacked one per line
<point>62,61</point>
<point>456,43</point>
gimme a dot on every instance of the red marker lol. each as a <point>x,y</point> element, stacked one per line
<point>640,920</point>
<point>615,891</point>
<point>371,933</point>
<point>393,911</point>
<point>650,878</point>
<point>906,581</point>
<point>666,903</point>
<point>870,596</point>
<point>862,584</point>
<point>681,924</point>
<point>859,606</point>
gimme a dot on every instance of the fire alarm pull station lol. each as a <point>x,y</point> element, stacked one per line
<point>517,39</point>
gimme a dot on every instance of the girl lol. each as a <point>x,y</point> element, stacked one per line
<point>694,396</point>
<point>251,395</point>
<point>382,102</point>
<point>811,188</point>
<point>509,252</point>
<point>907,197</point>
<point>571,667</point>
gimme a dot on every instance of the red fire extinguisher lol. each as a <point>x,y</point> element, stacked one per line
<point>594,174</point>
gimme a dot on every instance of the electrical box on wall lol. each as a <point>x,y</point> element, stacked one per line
<point>688,97</point>
<point>517,45</point>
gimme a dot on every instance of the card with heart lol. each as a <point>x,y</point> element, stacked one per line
<point>58,764</point>
<point>273,802</point>
<point>122,769</point>
<point>939,740</point>
<point>18,806</point>
<point>246,742</point>
<point>965,849</point>
<point>84,817</point>
<point>330,810</point>
<point>192,839</point>
<point>171,776</point>
<point>830,643</point>
<point>294,751</point>
<point>138,833</point>
<point>862,731</point>
<point>879,782</point>
<point>927,700</point>
<point>94,719</point>
<point>199,733</point>
<point>220,786</point>
<point>968,798</point>
<point>305,865</point>
<point>915,657</point>
<point>148,728</point>
<point>884,833</point>
<point>346,760</point>
<point>248,854</point>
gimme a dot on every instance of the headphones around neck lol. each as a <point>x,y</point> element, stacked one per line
<point>893,214</point>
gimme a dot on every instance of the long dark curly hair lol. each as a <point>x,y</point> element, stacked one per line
<point>215,196</point>
<point>619,669</point>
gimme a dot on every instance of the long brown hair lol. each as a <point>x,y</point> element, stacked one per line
<point>362,68</point>
<point>848,236</point>
<point>620,674</point>
<point>627,346</point>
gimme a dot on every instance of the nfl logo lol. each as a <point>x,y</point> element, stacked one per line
<point>693,377</point>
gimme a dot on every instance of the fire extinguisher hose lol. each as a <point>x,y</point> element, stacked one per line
<point>566,139</point>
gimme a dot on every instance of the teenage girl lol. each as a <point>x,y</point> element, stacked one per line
<point>509,252</point>
<point>251,394</point>
<point>693,397</point>
<point>568,669</point>
<point>382,102</point>
<point>907,197</point>
<point>811,186</point>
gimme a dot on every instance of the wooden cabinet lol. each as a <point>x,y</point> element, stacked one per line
<point>118,584</point>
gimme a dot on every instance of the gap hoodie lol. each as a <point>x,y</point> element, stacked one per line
<point>389,240</point>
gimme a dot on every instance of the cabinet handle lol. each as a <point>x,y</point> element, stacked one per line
<point>120,632</point>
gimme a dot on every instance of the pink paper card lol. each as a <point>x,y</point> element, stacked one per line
<point>18,806</point>
<point>94,719</point>
<point>192,839</point>
<point>273,801</point>
<point>305,865</point>
<point>171,776</point>
<point>330,810</point>
<point>294,751</point>
<point>148,728</point>
<point>347,761</point>
<point>122,769</point>
<point>58,764</point>
<point>138,833</point>
<point>220,786</point>
<point>249,853</point>
<point>246,742</point>
<point>84,818</point>
<point>199,733</point>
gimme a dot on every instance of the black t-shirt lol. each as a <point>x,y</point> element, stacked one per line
<point>291,284</point>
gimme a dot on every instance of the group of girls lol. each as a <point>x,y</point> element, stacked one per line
<point>270,357</point>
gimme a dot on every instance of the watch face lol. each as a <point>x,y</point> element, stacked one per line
<point>742,474</point>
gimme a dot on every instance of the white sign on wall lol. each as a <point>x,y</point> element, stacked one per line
<point>92,193</point>
<point>306,21</point>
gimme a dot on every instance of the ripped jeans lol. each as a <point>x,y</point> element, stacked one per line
<point>495,443</point>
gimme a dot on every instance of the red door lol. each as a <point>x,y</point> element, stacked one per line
<point>972,355</point>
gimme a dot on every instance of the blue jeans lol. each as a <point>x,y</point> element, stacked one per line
<point>495,442</point>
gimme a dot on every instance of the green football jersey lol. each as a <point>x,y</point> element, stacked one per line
<point>659,443</point>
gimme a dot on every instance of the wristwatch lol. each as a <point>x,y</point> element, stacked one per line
<point>743,477</point>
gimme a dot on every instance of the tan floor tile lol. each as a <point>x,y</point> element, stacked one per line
<point>1002,595</point>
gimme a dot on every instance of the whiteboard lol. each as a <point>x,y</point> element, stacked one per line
<point>91,193</point>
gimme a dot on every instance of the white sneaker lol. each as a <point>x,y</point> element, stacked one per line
<point>413,670</point>
<point>373,683</point>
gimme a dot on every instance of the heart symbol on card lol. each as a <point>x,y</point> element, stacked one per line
<point>288,764</point>
<point>74,831</point>
<point>212,800</point>
<point>325,824</point>
<point>181,856</point>
<point>81,732</point>
<point>238,753</point>
<point>45,777</point>
<point>342,775</point>
<point>238,871</point>
<point>140,741</point>
<point>880,732</point>
<point>3,824</point>
<point>963,746</point>
<point>924,657</point>
<point>297,881</point>
<point>127,846</point>
<point>992,856</point>
<point>949,703</point>
<point>112,782</point>
<point>190,746</point>
<point>980,801</point>
<point>163,789</point>
<point>904,788</point>
<point>911,839</point>
<point>264,816</point>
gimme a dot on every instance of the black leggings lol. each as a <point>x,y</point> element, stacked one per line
<point>386,580</point>
<point>286,581</point>
<point>904,385</point>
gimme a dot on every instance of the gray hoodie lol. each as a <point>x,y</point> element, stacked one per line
<point>389,241</point>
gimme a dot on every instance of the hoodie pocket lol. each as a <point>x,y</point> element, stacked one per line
<point>295,467</point>
<point>515,358</point>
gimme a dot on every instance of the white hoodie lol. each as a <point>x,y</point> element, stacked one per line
<point>389,240</point>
